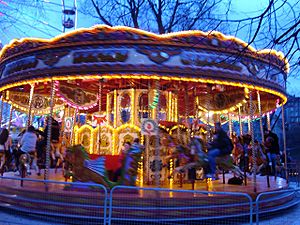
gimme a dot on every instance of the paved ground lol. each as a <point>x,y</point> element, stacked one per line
<point>290,216</point>
<point>10,218</point>
<point>286,217</point>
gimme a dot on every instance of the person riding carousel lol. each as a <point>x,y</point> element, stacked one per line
<point>220,146</point>
<point>28,145</point>
<point>118,172</point>
<point>271,144</point>
<point>54,138</point>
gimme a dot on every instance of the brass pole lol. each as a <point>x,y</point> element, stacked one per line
<point>240,122</point>
<point>48,145</point>
<point>10,117</point>
<point>260,117</point>
<point>254,150</point>
<point>30,105</point>
<point>99,110</point>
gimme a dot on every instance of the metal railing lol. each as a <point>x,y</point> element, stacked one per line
<point>158,205</point>
<point>70,203</point>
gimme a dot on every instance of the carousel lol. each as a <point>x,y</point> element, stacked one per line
<point>110,85</point>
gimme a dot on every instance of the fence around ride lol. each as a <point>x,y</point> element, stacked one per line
<point>77,203</point>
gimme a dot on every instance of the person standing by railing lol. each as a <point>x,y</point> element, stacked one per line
<point>272,146</point>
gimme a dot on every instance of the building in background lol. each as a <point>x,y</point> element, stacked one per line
<point>292,111</point>
<point>292,124</point>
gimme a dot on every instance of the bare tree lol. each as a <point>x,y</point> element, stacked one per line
<point>160,16</point>
<point>275,25</point>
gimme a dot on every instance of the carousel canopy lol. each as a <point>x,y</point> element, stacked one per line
<point>209,72</point>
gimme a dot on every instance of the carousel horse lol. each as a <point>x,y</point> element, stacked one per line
<point>56,156</point>
<point>187,157</point>
<point>25,162</point>
<point>261,158</point>
<point>84,169</point>
<point>201,159</point>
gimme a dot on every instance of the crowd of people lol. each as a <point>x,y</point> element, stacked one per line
<point>33,143</point>
<point>269,158</point>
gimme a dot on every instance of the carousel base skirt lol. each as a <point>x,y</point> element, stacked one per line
<point>85,203</point>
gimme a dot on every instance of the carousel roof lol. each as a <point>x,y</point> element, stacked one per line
<point>104,34</point>
<point>210,68</point>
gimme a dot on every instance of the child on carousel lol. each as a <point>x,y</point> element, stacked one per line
<point>124,150</point>
<point>221,145</point>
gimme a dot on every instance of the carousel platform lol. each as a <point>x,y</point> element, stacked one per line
<point>68,201</point>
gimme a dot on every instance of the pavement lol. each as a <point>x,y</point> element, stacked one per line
<point>13,218</point>
<point>286,217</point>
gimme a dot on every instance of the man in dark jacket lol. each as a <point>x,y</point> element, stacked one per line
<point>55,130</point>
<point>221,145</point>
<point>54,138</point>
<point>272,147</point>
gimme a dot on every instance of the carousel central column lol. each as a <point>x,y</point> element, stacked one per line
<point>48,146</point>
